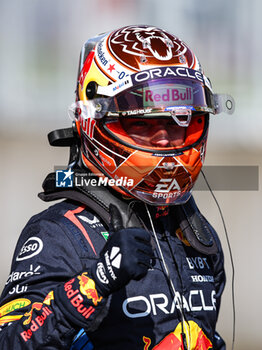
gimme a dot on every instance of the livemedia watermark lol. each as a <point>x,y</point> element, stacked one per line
<point>69,178</point>
<point>219,177</point>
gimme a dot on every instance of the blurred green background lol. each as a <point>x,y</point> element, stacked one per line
<point>40,42</point>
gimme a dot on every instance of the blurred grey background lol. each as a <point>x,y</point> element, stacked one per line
<point>40,43</point>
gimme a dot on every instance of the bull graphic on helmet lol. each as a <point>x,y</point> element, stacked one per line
<point>148,42</point>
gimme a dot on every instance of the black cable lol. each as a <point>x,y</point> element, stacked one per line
<point>183,335</point>
<point>168,276</point>
<point>231,260</point>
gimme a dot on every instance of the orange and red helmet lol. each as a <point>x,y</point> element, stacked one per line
<point>138,74</point>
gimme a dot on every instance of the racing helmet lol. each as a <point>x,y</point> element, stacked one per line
<point>132,78</point>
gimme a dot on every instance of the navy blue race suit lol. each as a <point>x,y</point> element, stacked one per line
<point>49,280</point>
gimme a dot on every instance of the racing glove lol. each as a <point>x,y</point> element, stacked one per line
<point>126,256</point>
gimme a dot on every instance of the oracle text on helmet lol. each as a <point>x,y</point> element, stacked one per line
<point>167,72</point>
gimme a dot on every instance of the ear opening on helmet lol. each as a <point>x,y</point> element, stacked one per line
<point>91,90</point>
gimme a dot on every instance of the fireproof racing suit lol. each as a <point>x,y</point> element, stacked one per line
<point>49,301</point>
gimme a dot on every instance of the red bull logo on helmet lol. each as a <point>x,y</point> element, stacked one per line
<point>88,288</point>
<point>169,95</point>
<point>195,338</point>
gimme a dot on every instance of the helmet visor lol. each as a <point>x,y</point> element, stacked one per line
<point>163,95</point>
<point>168,96</point>
<point>160,114</point>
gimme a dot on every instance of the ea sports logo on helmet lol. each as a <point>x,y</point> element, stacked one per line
<point>135,45</point>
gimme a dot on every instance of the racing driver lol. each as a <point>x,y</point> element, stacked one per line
<point>125,259</point>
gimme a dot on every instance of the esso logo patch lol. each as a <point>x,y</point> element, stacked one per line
<point>31,247</point>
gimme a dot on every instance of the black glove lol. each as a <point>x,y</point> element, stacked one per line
<point>125,256</point>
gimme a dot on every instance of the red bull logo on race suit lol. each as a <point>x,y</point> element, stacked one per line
<point>37,322</point>
<point>29,314</point>
<point>88,288</point>
<point>195,338</point>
